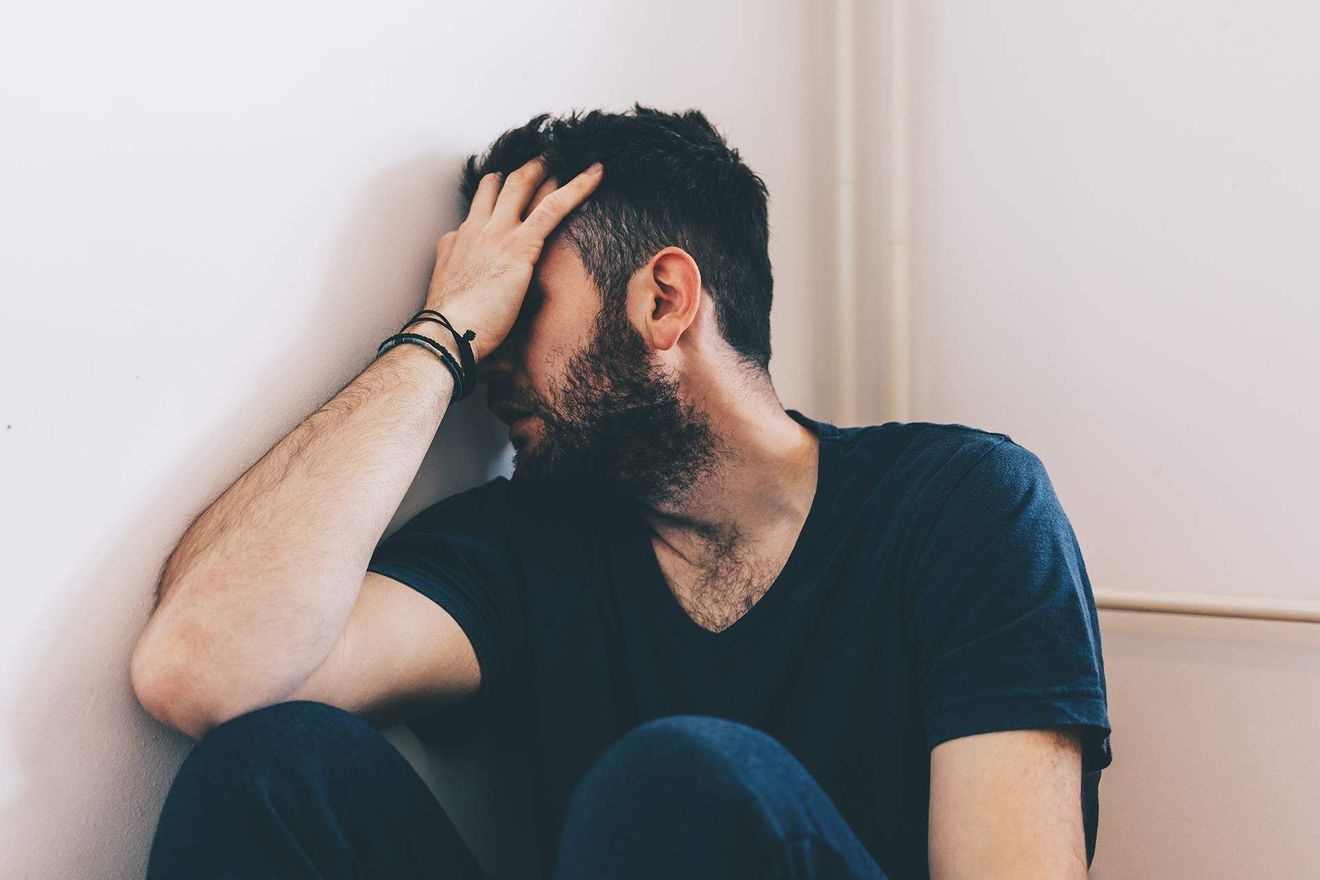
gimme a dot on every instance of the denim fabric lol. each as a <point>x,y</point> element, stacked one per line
<point>303,789</point>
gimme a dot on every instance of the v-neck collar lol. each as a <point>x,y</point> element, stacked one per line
<point>666,605</point>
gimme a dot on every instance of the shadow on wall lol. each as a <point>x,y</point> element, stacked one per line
<point>93,768</point>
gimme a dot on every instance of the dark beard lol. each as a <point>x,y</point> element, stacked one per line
<point>617,424</point>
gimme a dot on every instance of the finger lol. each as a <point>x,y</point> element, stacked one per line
<point>547,186</point>
<point>556,206</point>
<point>483,200</point>
<point>517,189</point>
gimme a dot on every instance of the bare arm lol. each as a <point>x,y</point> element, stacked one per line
<point>261,585</point>
<point>1007,804</point>
<point>256,597</point>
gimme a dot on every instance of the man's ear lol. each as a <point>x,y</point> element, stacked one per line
<point>670,295</point>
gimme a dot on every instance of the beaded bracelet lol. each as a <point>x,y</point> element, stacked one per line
<point>460,390</point>
<point>464,367</point>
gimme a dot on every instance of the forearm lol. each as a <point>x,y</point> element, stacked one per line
<point>260,586</point>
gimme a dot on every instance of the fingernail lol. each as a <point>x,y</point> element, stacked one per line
<point>596,168</point>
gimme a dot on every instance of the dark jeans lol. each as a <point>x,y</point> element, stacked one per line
<point>306,790</point>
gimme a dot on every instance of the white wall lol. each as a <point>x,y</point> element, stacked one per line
<point>211,216</point>
<point>1113,244</point>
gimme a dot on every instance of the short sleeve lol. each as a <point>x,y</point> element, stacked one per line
<point>459,553</point>
<point>1003,617</point>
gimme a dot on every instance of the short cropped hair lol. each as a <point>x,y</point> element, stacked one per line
<point>670,179</point>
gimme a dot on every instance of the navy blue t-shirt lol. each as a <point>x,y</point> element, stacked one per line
<point>936,590</point>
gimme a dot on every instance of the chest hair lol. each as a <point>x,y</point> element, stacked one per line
<point>717,595</point>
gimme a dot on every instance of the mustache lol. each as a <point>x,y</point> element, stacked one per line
<point>497,397</point>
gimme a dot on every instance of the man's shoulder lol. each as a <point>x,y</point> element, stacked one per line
<point>917,467</point>
<point>919,451</point>
<point>522,519</point>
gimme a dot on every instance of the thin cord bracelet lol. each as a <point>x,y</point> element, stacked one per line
<point>463,340</point>
<point>460,389</point>
<point>436,349</point>
<point>469,361</point>
<point>430,345</point>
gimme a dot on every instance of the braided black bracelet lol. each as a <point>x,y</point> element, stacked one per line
<point>460,389</point>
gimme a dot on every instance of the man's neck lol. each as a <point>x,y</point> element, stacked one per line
<point>754,500</point>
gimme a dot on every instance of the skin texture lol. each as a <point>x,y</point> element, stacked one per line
<point>1006,805</point>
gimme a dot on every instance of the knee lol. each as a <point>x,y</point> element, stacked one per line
<point>290,738</point>
<point>697,756</point>
<point>699,741</point>
<point>689,778</point>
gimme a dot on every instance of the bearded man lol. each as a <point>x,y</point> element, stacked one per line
<point>732,640</point>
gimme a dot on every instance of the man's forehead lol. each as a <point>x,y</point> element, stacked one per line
<point>558,261</point>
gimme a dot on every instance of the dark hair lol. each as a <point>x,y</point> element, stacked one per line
<point>670,179</point>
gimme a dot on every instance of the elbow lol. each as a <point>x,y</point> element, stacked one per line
<point>183,679</point>
<point>165,691</point>
<point>174,688</point>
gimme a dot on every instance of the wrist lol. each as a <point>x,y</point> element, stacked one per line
<point>427,366</point>
<point>443,335</point>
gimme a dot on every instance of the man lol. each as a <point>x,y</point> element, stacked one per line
<point>733,640</point>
